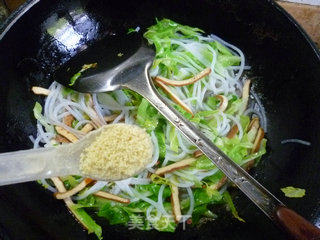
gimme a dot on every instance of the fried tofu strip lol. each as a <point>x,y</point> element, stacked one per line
<point>40,91</point>
<point>65,133</point>
<point>112,197</point>
<point>175,166</point>
<point>257,133</point>
<point>253,129</point>
<point>245,96</point>
<point>223,102</point>
<point>197,153</point>
<point>186,82</point>
<point>221,183</point>
<point>233,131</point>
<point>67,120</point>
<point>254,124</point>
<point>61,139</point>
<point>110,118</point>
<point>73,191</point>
<point>257,141</point>
<point>174,97</point>
<point>87,128</point>
<point>61,188</point>
<point>175,203</point>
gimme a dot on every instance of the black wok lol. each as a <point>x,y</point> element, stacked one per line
<point>285,71</point>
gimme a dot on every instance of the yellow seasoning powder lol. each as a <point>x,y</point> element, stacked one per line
<point>119,152</point>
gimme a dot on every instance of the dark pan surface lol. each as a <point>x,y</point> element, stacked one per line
<point>285,70</point>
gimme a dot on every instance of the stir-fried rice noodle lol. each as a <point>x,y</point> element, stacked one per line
<point>225,80</point>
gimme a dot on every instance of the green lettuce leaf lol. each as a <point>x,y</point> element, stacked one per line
<point>147,116</point>
<point>203,163</point>
<point>114,213</point>
<point>135,98</point>
<point>235,148</point>
<point>201,211</point>
<point>164,30</point>
<point>293,192</point>
<point>152,190</point>
<point>174,143</point>
<point>85,67</point>
<point>165,224</point>
<point>206,195</point>
<point>87,221</point>
<point>227,198</point>
<point>159,180</point>
<point>226,60</point>
<point>37,109</point>
<point>215,178</point>
<point>159,132</point>
<point>69,182</point>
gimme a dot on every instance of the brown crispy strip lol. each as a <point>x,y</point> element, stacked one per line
<point>73,191</point>
<point>246,89</point>
<point>61,188</point>
<point>175,203</point>
<point>257,141</point>
<point>174,97</point>
<point>233,131</point>
<point>189,81</point>
<point>249,165</point>
<point>65,133</point>
<point>175,166</point>
<point>87,128</point>
<point>111,197</point>
<point>255,148</point>
<point>197,153</point>
<point>40,91</point>
<point>223,102</point>
<point>67,120</point>
<point>254,123</point>
<point>110,118</point>
<point>253,129</point>
<point>221,183</point>
<point>61,139</point>
<point>245,96</point>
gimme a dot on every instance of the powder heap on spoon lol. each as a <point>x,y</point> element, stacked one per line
<point>118,152</point>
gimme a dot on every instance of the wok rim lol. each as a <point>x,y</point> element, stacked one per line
<point>25,7</point>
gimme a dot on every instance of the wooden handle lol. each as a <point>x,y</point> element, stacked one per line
<point>298,227</point>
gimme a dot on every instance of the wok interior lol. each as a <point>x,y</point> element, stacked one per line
<point>285,70</point>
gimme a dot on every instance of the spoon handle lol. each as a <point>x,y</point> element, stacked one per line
<point>28,165</point>
<point>296,225</point>
<point>248,185</point>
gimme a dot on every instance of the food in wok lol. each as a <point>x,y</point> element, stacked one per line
<point>202,76</point>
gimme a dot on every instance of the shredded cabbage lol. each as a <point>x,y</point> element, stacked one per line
<point>181,52</point>
<point>293,192</point>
